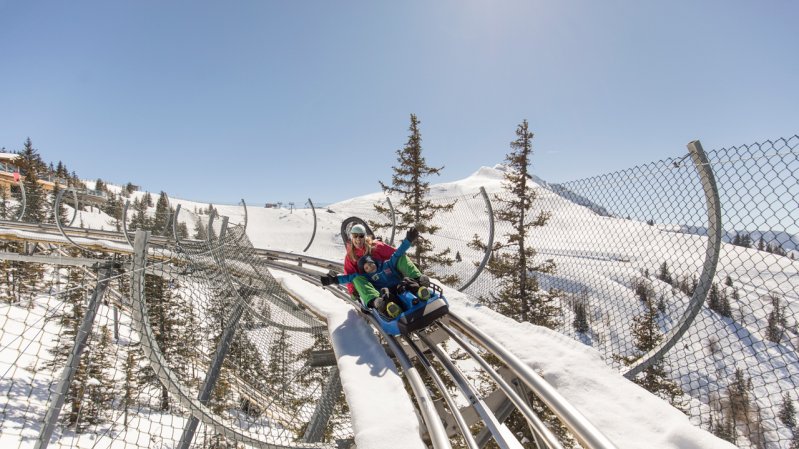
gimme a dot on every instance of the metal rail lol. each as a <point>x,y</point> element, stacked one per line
<point>584,431</point>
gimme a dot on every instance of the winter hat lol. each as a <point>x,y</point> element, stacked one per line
<point>363,261</point>
<point>357,229</point>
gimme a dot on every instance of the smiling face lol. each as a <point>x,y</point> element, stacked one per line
<point>358,239</point>
<point>369,267</point>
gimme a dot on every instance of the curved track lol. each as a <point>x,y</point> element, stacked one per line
<point>443,418</point>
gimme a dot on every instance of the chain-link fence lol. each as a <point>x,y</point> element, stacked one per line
<point>628,251</point>
<point>207,352</point>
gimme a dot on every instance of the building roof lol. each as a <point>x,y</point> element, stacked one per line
<point>8,156</point>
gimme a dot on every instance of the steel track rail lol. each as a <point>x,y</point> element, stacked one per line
<point>583,430</point>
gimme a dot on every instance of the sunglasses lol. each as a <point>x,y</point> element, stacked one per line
<point>358,236</point>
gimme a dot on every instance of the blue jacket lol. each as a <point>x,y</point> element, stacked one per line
<point>387,273</point>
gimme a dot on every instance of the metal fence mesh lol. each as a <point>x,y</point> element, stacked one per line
<point>198,298</point>
<point>628,248</point>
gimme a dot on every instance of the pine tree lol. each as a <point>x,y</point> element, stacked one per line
<point>278,367</point>
<point>199,230</point>
<point>5,210</point>
<point>718,302</point>
<point>162,214</point>
<point>580,308</point>
<point>62,213</point>
<point>98,392</point>
<point>168,315</point>
<point>183,230</point>
<point>728,281</point>
<point>113,207</point>
<point>787,412</point>
<point>32,166</point>
<point>739,395</point>
<point>513,261</point>
<point>414,208</point>
<point>140,219</point>
<point>129,385</point>
<point>90,393</point>
<point>580,322</point>
<point>664,274</point>
<point>776,320</point>
<point>724,428</point>
<point>653,378</point>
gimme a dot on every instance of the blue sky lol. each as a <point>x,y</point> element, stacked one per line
<point>289,100</point>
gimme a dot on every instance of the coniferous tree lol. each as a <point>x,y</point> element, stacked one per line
<point>199,230</point>
<point>6,293</point>
<point>718,302</point>
<point>742,409</point>
<point>167,314</point>
<point>183,230</point>
<point>113,207</point>
<point>728,281</point>
<point>129,383</point>
<point>664,274</point>
<point>787,412</point>
<point>415,208</point>
<point>776,319</point>
<point>580,309</point>
<point>278,368</point>
<point>211,211</point>
<point>162,215</point>
<point>5,210</point>
<point>89,396</point>
<point>580,321</point>
<point>723,427</point>
<point>140,220</point>
<point>62,213</point>
<point>32,167</point>
<point>98,393</point>
<point>653,378</point>
<point>513,261</point>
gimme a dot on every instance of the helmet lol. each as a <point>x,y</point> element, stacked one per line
<point>363,261</point>
<point>357,229</point>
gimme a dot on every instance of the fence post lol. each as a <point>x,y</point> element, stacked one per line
<point>73,362</point>
<point>24,199</point>
<point>313,235</point>
<point>489,245</point>
<point>708,269</point>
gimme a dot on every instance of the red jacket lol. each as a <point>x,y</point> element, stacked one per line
<point>380,251</point>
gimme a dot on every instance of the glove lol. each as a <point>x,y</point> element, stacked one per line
<point>424,281</point>
<point>412,234</point>
<point>329,278</point>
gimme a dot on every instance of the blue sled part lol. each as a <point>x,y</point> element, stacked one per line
<point>417,314</point>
